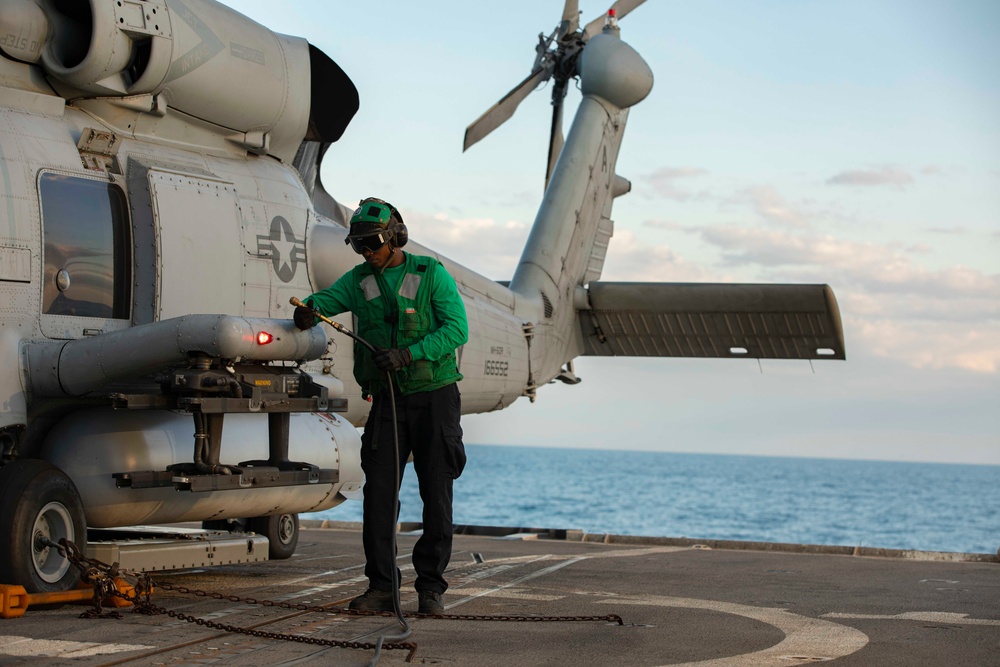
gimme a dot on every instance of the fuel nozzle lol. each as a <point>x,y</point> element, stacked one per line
<point>336,325</point>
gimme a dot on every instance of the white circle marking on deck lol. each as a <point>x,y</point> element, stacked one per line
<point>807,640</point>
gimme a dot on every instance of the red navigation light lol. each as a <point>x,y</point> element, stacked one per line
<point>612,13</point>
<point>263,338</point>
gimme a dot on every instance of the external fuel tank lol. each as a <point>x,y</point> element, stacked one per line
<point>90,445</point>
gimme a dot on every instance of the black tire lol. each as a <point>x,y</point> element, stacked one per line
<point>281,531</point>
<point>37,499</point>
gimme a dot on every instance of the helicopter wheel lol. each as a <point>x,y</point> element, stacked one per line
<point>281,531</point>
<point>39,502</point>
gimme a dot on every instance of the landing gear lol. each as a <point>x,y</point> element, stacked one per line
<point>38,504</point>
<point>231,525</point>
<point>281,531</point>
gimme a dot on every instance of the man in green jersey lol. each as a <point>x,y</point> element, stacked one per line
<point>408,307</point>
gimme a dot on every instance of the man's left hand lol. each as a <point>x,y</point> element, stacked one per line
<point>392,359</point>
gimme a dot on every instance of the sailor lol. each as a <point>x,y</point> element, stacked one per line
<point>408,307</point>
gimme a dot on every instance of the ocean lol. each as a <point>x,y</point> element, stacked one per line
<point>925,506</point>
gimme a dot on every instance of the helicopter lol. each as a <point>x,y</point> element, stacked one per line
<point>161,205</point>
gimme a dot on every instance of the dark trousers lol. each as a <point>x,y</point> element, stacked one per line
<point>429,428</point>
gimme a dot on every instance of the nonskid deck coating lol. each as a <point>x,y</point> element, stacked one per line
<point>683,602</point>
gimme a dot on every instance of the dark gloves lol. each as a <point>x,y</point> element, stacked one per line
<point>305,318</point>
<point>391,359</point>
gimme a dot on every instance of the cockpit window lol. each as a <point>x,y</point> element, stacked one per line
<point>87,249</point>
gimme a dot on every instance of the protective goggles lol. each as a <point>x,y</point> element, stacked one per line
<point>372,241</point>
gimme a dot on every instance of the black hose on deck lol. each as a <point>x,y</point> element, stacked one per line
<point>397,606</point>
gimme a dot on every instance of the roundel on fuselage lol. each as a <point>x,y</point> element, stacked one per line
<point>286,251</point>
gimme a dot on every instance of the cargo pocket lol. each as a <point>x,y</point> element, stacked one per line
<point>420,370</point>
<point>412,326</point>
<point>454,451</point>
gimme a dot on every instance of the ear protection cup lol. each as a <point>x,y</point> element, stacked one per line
<point>400,234</point>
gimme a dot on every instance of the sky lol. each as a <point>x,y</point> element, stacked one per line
<point>846,142</point>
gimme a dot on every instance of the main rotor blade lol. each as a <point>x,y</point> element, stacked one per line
<point>570,18</point>
<point>621,7</point>
<point>500,112</point>
<point>556,134</point>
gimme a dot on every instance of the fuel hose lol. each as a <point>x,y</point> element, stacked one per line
<point>397,607</point>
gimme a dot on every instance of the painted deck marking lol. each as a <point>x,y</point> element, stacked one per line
<point>927,616</point>
<point>512,594</point>
<point>57,648</point>
<point>632,553</point>
<point>807,640</point>
<point>515,582</point>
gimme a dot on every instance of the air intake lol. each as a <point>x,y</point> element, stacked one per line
<point>547,306</point>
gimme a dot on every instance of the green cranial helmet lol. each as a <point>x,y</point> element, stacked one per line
<point>373,211</point>
<point>375,223</point>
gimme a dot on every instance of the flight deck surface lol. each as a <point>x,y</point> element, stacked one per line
<point>681,604</point>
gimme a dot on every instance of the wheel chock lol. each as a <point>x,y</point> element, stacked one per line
<point>14,600</point>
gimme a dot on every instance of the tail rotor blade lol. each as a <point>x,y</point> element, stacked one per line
<point>621,7</point>
<point>500,112</point>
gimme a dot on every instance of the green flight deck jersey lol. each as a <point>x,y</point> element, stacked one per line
<point>427,317</point>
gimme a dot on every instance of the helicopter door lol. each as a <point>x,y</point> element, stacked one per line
<point>201,254</point>
<point>87,260</point>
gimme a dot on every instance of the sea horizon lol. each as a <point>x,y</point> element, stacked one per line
<point>604,448</point>
<point>838,502</point>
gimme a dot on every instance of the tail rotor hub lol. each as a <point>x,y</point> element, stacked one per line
<point>556,57</point>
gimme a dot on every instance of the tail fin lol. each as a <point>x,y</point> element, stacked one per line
<point>569,238</point>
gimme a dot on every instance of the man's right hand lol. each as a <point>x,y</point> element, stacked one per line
<point>305,318</point>
<point>391,359</point>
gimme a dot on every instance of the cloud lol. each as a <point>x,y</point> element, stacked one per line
<point>872,177</point>
<point>935,345</point>
<point>633,258</point>
<point>485,245</point>
<point>671,173</point>
<point>771,206</point>
<point>663,182</point>
<point>956,231</point>
<point>777,248</point>
<point>667,225</point>
<point>878,267</point>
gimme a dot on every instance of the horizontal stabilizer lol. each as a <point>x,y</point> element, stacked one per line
<point>712,320</point>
